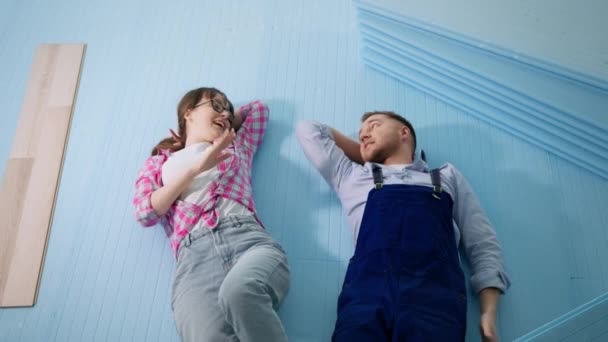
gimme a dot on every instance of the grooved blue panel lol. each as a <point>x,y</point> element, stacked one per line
<point>107,279</point>
<point>553,108</point>
<point>588,322</point>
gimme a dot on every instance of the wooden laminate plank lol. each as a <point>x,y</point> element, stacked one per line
<point>33,170</point>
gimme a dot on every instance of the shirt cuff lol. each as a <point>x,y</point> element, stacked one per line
<point>490,278</point>
<point>325,131</point>
<point>145,214</point>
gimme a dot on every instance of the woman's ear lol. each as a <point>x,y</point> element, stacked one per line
<point>188,115</point>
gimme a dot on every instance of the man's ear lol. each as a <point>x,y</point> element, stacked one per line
<point>405,133</point>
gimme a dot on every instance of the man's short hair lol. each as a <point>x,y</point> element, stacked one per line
<point>394,116</point>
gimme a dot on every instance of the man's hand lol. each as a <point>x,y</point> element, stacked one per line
<point>487,326</point>
<point>488,300</point>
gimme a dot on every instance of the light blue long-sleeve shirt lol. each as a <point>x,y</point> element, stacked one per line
<point>353,182</point>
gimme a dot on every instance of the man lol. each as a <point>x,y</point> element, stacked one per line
<point>404,282</point>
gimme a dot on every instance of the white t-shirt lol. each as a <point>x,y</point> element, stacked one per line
<point>398,166</point>
<point>195,193</point>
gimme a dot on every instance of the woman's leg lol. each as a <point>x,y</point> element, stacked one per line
<point>198,276</point>
<point>255,286</point>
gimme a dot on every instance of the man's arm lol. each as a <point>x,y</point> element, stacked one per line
<point>320,147</point>
<point>488,301</point>
<point>478,238</point>
<point>488,278</point>
<point>349,146</point>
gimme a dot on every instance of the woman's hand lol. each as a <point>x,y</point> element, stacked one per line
<point>215,153</point>
<point>237,120</point>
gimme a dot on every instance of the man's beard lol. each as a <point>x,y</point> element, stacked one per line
<point>380,155</point>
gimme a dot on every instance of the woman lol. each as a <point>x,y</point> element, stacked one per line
<point>230,274</point>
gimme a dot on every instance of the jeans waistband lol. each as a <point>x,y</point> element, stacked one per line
<point>226,222</point>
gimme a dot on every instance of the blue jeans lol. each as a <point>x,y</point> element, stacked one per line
<point>228,283</point>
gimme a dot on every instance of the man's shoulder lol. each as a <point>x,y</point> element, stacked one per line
<point>451,175</point>
<point>448,169</point>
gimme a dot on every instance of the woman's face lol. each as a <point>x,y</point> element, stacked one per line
<point>208,119</point>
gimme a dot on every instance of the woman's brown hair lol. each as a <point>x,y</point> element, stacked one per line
<point>188,102</point>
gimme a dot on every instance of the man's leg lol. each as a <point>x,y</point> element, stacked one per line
<point>363,313</point>
<point>360,323</point>
<point>431,315</point>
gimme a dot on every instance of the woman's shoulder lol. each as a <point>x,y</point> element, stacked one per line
<point>156,161</point>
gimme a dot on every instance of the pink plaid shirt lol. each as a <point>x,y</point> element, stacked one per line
<point>234,181</point>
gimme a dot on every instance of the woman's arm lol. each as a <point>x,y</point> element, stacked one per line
<point>163,197</point>
<point>251,120</point>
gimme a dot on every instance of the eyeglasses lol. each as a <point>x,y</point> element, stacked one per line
<point>218,107</point>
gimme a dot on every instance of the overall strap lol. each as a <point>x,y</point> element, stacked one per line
<point>378,178</point>
<point>436,180</point>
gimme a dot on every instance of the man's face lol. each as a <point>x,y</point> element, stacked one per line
<point>380,137</point>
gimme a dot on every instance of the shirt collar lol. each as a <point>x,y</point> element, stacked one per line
<point>418,165</point>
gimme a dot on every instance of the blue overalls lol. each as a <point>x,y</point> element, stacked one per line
<point>404,282</point>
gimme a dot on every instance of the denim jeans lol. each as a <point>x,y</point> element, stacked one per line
<point>228,283</point>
